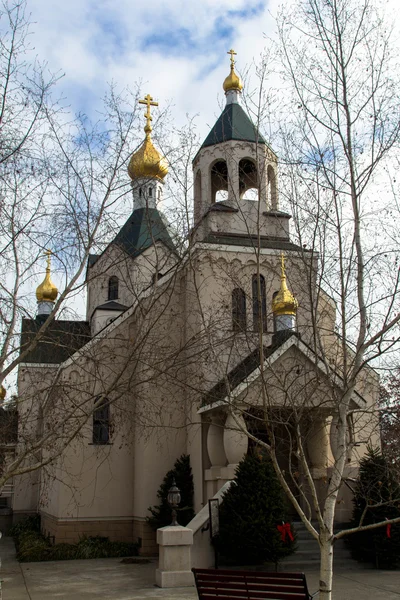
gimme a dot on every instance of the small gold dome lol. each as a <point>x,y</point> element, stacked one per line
<point>284,303</point>
<point>47,291</point>
<point>3,393</point>
<point>147,161</point>
<point>233,81</point>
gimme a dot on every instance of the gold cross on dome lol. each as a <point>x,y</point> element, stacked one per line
<point>48,253</point>
<point>283,274</point>
<point>148,101</point>
<point>232,53</point>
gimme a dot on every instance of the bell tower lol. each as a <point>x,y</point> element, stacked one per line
<point>235,166</point>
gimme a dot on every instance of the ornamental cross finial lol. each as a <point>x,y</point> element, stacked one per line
<point>232,53</point>
<point>148,101</point>
<point>48,253</point>
<point>283,275</point>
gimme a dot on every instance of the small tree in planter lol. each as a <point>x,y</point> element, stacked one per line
<point>161,514</point>
<point>250,513</point>
<point>376,498</point>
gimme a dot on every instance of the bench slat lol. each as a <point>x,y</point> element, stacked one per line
<point>259,596</point>
<point>209,586</point>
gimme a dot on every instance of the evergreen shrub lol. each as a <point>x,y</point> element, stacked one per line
<point>376,487</point>
<point>32,546</point>
<point>161,513</point>
<point>250,512</point>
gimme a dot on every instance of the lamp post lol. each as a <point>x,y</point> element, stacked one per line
<point>174,497</point>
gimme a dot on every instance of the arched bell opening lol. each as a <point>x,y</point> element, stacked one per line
<point>221,196</point>
<point>248,180</point>
<point>272,196</point>
<point>219,181</point>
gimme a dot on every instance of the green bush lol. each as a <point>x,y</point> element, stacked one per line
<point>32,546</point>
<point>93,547</point>
<point>31,523</point>
<point>161,514</point>
<point>63,551</point>
<point>376,487</point>
<point>249,514</point>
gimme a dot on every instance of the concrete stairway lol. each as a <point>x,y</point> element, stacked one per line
<point>307,555</point>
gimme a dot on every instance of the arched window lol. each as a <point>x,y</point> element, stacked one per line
<point>238,310</point>
<point>219,179</point>
<point>101,422</point>
<point>248,179</point>
<point>150,192</point>
<point>113,288</point>
<point>259,303</point>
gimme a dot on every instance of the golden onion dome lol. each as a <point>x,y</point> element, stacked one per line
<point>3,393</point>
<point>284,303</point>
<point>47,291</point>
<point>147,161</point>
<point>233,81</point>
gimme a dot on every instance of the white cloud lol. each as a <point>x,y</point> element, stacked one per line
<point>177,48</point>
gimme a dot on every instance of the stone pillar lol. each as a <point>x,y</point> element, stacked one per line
<point>235,441</point>
<point>215,443</point>
<point>216,454</point>
<point>233,180</point>
<point>174,568</point>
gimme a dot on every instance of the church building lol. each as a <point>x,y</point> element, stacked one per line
<point>201,350</point>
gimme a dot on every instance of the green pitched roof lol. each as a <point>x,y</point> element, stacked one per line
<point>233,124</point>
<point>144,227</point>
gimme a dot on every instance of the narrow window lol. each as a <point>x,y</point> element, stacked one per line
<point>113,288</point>
<point>150,192</point>
<point>101,422</point>
<point>238,310</point>
<point>140,192</point>
<point>259,303</point>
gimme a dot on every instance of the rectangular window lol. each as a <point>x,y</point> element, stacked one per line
<point>101,423</point>
<point>259,303</point>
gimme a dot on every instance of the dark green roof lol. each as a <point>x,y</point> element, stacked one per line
<point>59,342</point>
<point>233,124</point>
<point>240,373</point>
<point>144,227</point>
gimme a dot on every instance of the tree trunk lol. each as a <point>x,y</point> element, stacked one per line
<point>326,567</point>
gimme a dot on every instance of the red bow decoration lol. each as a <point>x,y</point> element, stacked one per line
<point>285,530</point>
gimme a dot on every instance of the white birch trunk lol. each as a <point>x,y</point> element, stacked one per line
<point>326,567</point>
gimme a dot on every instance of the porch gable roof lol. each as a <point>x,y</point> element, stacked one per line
<point>248,370</point>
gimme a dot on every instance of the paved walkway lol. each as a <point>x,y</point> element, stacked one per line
<point>110,579</point>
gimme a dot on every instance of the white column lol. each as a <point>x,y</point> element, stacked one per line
<point>235,441</point>
<point>215,443</point>
<point>233,178</point>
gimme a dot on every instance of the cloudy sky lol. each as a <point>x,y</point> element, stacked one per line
<point>177,48</point>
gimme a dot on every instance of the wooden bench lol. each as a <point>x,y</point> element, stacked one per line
<point>250,585</point>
